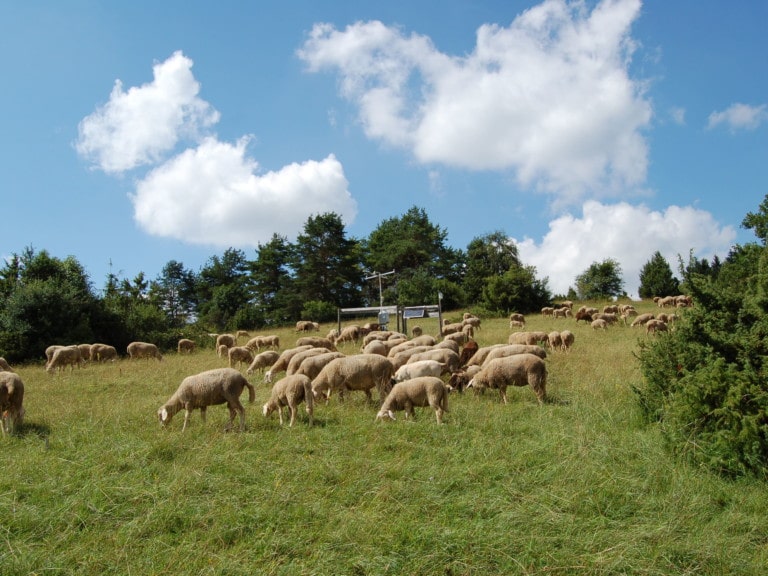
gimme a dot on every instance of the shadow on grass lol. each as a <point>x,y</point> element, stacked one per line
<point>27,429</point>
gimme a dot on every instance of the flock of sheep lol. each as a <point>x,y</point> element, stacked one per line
<point>405,372</point>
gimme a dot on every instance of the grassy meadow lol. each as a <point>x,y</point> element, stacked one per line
<point>93,485</point>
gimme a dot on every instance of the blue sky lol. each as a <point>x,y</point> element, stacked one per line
<point>135,133</point>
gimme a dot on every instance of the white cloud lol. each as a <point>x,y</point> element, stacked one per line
<point>739,117</point>
<point>213,195</point>
<point>628,234</point>
<point>549,96</point>
<point>138,127</point>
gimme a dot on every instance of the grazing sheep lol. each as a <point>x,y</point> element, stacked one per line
<point>4,366</point>
<point>258,342</point>
<point>583,315</point>
<point>312,365</point>
<point>11,402</point>
<point>305,326</point>
<point>418,369</point>
<point>423,391</point>
<point>281,364</point>
<point>514,349</point>
<point>460,338</point>
<point>567,338</point>
<point>482,353</point>
<point>417,331</point>
<point>359,372</point>
<point>599,324</point>
<point>239,355</point>
<point>468,350</point>
<point>143,350</point>
<point>297,359</point>
<point>85,351</point>
<point>375,347</point>
<point>317,342</point>
<point>262,360</point>
<point>349,334</point>
<point>217,386</point>
<point>517,370</point>
<point>64,356</point>
<point>461,378</point>
<point>547,311</point>
<point>516,319</point>
<point>103,352</point>
<point>228,340</point>
<point>641,320</point>
<point>449,344</point>
<point>290,391</point>
<point>555,341</point>
<point>653,326</point>
<point>451,328</point>
<point>185,346</point>
<point>242,334</point>
<point>443,355</point>
<point>222,351</point>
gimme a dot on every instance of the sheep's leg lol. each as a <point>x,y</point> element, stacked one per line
<point>280,413</point>
<point>503,393</point>
<point>203,413</point>
<point>439,415</point>
<point>409,410</point>
<point>292,408</point>
<point>187,412</point>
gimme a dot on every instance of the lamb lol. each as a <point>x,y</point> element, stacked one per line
<point>217,386</point>
<point>290,391</point>
<point>281,364</point>
<point>185,346</point>
<point>423,391</point>
<point>517,370</point>
<point>11,402</point>
<point>359,372</point>
<point>239,354</point>
<point>143,350</point>
<point>317,342</point>
<point>64,356</point>
<point>262,360</point>
<point>314,364</point>
<point>4,366</point>
<point>418,369</point>
<point>103,352</point>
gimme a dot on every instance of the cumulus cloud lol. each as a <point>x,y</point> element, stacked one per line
<point>548,97</point>
<point>139,126</point>
<point>629,234</point>
<point>212,192</point>
<point>739,117</point>
<point>213,195</point>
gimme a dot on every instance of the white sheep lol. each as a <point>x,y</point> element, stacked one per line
<point>85,351</point>
<point>358,372</point>
<point>599,324</point>
<point>281,364</point>
<point>143,350</point>
<point>11,402</point>
<point>4,366</point>
<point>642,319</point>
<point>514,349</point>
<point>567,338</point>
<point>375,347</point>
<point>349,334</point>
<point>655,325</point>
<point>423,391</point>
<point>461,378</point>
<point>228,340</point>
<point>185,346</point>
<point>418,369</point>
<point>290,391</point>
<point>317,342</point>
<point>446,356</point>
<point>239,355</point>
<point>103,352</point>
<point>64,356</point>
<point>312,365</point>
<point>217,386</point>
<point>555,341</point>
<point>262,360</point>
<point>297,359</point>
<point>517,370</point>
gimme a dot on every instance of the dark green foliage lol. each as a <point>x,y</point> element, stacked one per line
<point>488,256</point>
<point>602,280</point>
<point>517,290</point>
<point>656,278</point>
<point>320,311</point>
<point>222,289</point>
<point>705,381</point>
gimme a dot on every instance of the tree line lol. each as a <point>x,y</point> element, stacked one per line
<point>49,300</point>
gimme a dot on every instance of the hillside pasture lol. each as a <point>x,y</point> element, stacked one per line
<point>580,485</point>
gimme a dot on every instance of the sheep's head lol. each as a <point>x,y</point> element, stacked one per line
<point>164,416</point>
<point>267,409</point>
<point>385,415</point>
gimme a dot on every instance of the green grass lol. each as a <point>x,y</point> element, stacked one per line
<point>92,485</point>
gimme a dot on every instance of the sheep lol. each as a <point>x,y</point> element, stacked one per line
<point>449,344</point>
<point>258,342</point>
<point>222,351</point>
<point>444,355</point>
<point>143,350</point>
<point>482,353</point>
<point>317,342</point>
<point>418,369</point>
<point>312,365</point>
<point>380,335</point>
<point>513,349</point>
<point>290,391</point>
<point>417,331</point>
<point>11,402</point>
<point>103,352</point>
<point>262,360</point>
<point>547,311</point>
<point>228,340</point>
<point>64,356</point>
<point>348,334</point>
<point>423,391</point>
<point>459,337</point>
<point>654,326</point>
<point>402,357</point>
<point>567,338</point>
<point>297,359</point>
<point>451,328</point>
<point>472,321</point>
<point>518,319</point>
<point>281,364</point>
<point>459,379</point>
<point>217,386</point>
<point>358,372</point>
<point>583,315</point>
<point>85,351</point>
<point>238,355</point>
<point>306,326</point>
<point>185,345</point>
<point>375,347</point>
<point>561,313</point>
<point>599,324</point>
<point>517,370</point>
<point>529,338</point>
<point>4,366</point>
<point>424,340</point>
<point>242,334</point>
<point>554,340</point>
<point>468,350</point>
<point>641,320</point>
